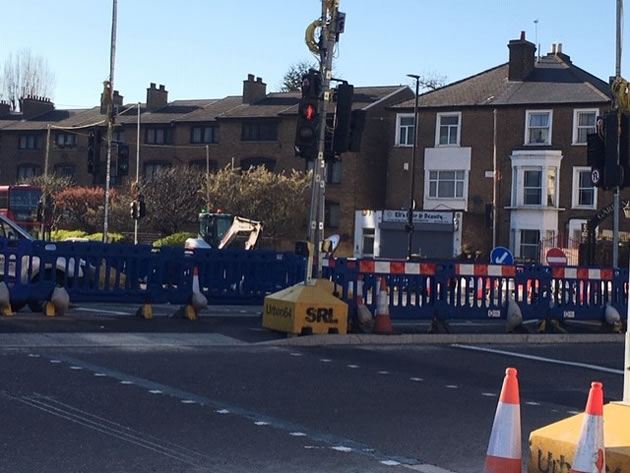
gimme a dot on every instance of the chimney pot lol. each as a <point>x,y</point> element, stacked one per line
<point>250,77</point>
<point>522,36</point>
<point>559,47</point>
<point>152,85</point>
<point>161,86</point>
<point>553,48</point>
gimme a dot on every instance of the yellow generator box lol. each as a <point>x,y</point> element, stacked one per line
<point>305,309</point>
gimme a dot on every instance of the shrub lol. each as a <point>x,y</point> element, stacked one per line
<point>111,237</point>
<point>176,239</point>
<point>61,235</point>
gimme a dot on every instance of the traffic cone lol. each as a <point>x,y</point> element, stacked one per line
<point>590,453</point>
<point>504,448</point>
<point>382,321</point>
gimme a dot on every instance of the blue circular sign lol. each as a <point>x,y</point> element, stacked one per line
<point>501,255</point>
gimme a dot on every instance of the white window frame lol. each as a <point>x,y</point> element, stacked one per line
<point>549,136</point>
<point>576,113</point>
<point>543,187</point>
<point>575,189</point>
<point>438,121</point>
<point>436,197</point>
<point>520,231</point>
<point>399,116</point>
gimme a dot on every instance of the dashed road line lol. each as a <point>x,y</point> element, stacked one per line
<point>223,408</point>
<point>417,380</point>
<point>55,362</point>
<point>341,448</point>
<point>155,391</point>
<point>532,403</point>
<point>352,366</point>
<point>325,360</point>
<point>489,394</point>
<point>295,354</point>
<point>261,423</point>
<point>100,375</point>
<point>76,368</point>
<point>390,462</point>
<point>33,355</point>
<point>451,386</point>
<point>187,401</point>
<point>383,372</point>
<point>126,381</point>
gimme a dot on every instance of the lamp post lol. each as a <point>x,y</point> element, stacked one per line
<point>413,169</point>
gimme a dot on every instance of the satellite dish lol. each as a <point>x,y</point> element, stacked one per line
<point>330,244</point>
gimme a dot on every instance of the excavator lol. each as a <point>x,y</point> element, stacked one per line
<point>219,230</point>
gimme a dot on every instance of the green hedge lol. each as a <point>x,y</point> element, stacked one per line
<point>176,239</point>
<point>61,235</point>
<point>111,237</point>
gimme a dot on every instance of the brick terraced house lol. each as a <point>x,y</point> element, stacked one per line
<point>536,113</point>
<point>257,128</point>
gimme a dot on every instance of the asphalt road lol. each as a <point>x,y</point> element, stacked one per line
<point>245,407</point>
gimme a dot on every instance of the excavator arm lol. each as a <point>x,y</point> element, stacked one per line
<point>242,225</point>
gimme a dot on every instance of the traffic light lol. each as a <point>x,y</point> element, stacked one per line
<point>341,141</point>
<point>357,122</point>
<point>624,150</point>
<point>601,153</point>
<point>94,150</point>
<point>123,159</point>
<point>308,120</point>
<point>134,210</point>
<point>142,209</point>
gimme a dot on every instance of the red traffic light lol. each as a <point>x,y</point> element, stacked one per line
<point>309,112</point>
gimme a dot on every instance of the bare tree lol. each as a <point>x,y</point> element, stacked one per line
<point>292,80</point>
<point>25,74</point>
<point>431,81</point>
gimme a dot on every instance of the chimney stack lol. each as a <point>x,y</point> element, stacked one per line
<point>253,90</point>
<point>33,106</point>
<point>156,98</point>
<point>522,58</point>
<point>117,101</point>
<point>5,108</point>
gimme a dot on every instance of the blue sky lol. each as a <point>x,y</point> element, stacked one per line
<point>206,48</point>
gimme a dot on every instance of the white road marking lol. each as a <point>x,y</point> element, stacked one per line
<point>574,412</point>
<point>488,394</point>
<point>55,361</point>
<point>76,368</point>
<point>33,355</point>
<point>416,379</point>
<point>451,386</point>
<point>298,434</point>
<point>341,448</point>
<point>261,422</point>
<point>100,375</point>
<point>353,366</point>
<point>296,354</point>
<point>325,360</point>
<point>532,403</point>
<point>390,462</point>
<point>222,411</point>
<point>383,372</point>
<point>155,391</point>
<point>541,358</point>
<point>187,401</point>
<point>424,468</point>
<point>124,381</point>
<point>102,311</point>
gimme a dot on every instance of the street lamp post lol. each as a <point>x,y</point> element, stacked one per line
<point>412,170</point>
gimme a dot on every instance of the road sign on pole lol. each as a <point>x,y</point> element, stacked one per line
<point>556,257</point>
<point>501,255</point>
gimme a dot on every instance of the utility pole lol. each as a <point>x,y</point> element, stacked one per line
<point>109,89</point>
<point>45,189</point>
<point>135,220</point>
<point>494,177</point>
<point>328,38</point>
<point>615,252</point>
<point>412,187</point>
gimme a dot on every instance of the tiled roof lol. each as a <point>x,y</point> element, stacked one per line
<point>198,110</point>
<point>554,80</point>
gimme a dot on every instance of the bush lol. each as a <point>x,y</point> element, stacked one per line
<point>61,235</point>
<point>111,237</point>
<point>176,239</point>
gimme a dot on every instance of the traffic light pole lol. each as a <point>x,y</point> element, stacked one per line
<point>318,183</point>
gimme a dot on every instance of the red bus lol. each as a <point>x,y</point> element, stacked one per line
<point>19,203</point>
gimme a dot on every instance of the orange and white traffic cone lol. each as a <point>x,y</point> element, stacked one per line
<point>504,448</point>
<point>382,321</point>
<point>590,453</point>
